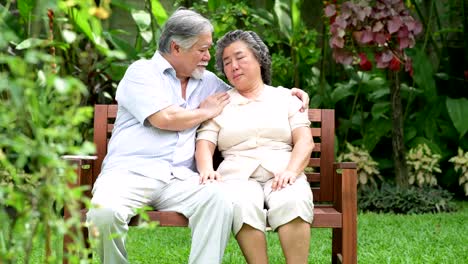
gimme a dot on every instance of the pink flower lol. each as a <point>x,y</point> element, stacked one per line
<point>330,10</point>
<point>409,66</point>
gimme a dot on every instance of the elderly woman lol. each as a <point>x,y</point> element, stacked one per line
<point>266,143</point>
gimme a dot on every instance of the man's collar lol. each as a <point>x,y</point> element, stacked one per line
<point>161,63</point>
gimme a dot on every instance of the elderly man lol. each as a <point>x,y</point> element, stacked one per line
<point>150,159</point>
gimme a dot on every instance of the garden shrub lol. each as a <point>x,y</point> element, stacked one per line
<point>367,168</point>
<point>422,164</point>
<point>461,165</point>
<point>39,122</point>
<point>411,200</point>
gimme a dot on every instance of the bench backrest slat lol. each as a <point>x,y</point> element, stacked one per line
<point>323,131</point>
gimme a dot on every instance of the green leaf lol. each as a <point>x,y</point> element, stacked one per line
<point>142,19</point>
<point>376,95</point>
<point>342,91</point>
<point>410,132</point>
<point>458,112</point>
<point>422,140</point>
<point>125,5</point>
<point>81,21</point>
<point>68,35</point>
<point>158,12</point>
<point>264,16</point>
<point>379,110</point>
<point>123,45</point>
<point>284,20</point>
<point>424,75</point>
<point>374,133</point>
<point>25,8</point>
<point>31,43</point>
<point>91,27</point>
<point>296,14</point>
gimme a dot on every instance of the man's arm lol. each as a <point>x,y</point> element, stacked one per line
<point>176,118</point>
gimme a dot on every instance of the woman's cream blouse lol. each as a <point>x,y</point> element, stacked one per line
<point>255,132</point>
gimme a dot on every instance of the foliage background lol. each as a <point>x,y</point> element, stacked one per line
<point>434,98</point>
<point>59,57</point>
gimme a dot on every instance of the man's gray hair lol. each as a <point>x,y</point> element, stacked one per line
<point>254,43</point>
<point>184,28</point>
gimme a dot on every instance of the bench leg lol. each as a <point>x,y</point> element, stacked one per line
<point>344,240</point>
<point>344,248</point>
<point>349,245</point>
<point>337,245</point>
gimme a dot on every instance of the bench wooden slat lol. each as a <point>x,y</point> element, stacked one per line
<point>316,131</point>
<point>315,115</point>
<point>314,162</point>
<point>112,111</point>
<point>326,217</point>
<point>313,176</point>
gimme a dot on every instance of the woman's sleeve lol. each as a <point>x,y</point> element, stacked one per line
<point>209,130</point>
<point>296,117</point>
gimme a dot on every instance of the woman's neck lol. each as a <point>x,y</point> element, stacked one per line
<point>253,92</point>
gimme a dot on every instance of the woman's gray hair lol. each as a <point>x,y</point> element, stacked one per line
<point>255,44</point>
<point>184,28</point>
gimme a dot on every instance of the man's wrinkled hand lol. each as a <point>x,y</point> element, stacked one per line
<point>215,103</point>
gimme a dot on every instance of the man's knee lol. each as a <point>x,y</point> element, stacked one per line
<point>103,217</point>
<point>214,194</point>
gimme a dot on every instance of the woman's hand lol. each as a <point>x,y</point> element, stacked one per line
<point>209,176</point>
<point>282,179</point>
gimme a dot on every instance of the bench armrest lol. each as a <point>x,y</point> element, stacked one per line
<point>84,171</point>
<point>345,165</point>
<point>345,184</point>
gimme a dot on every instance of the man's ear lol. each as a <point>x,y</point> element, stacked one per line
<point>175,47</point>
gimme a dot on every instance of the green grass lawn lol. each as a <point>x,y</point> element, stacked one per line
<point>382,238</point>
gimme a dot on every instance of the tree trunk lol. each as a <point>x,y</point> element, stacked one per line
<point>398,144</point>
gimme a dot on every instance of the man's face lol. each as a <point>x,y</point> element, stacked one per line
<point>197,57</point>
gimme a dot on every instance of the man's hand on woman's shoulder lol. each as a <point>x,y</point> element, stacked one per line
<point>303,96</point>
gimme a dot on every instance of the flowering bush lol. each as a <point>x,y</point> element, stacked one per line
<point>386,26</point>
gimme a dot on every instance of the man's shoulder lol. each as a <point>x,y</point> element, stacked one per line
<point>212,80</point>
<point>210,76</point>
<point>140,64</point>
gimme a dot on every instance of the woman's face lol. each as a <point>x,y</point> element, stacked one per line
<point>240,66</point>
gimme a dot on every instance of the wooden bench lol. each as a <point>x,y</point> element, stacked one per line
<point>333,184</point>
